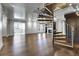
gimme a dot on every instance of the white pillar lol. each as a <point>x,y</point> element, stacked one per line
<point>1,43</point>
<point>64,27</point>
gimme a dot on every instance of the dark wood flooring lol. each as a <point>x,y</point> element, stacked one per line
<point>34,45</point>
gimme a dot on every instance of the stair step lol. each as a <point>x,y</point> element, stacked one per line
<point>58,32</point>
<point>61,41</point>
<point>63,44</point>
<point>59,38</point>
<point>59,35</point>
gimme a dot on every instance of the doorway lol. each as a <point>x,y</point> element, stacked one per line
<point>41,28</point>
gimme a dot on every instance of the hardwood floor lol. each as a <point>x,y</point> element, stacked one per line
<point>34,45</point>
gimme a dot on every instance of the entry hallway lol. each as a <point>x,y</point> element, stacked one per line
<point>34,45</point>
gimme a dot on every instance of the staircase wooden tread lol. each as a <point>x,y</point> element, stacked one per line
<point>58,32</point>
<point>60,37</point>
<point>63,44</point>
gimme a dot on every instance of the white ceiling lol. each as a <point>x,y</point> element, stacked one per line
<point>28,7</point>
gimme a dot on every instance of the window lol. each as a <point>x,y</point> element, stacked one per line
<point>19,28</point>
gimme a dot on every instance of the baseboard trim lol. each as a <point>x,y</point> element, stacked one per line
<point>31,33</point>
<point>7,36</point>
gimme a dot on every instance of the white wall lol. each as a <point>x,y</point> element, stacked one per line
<point>8,22</point>
<point>1,42</point>
<point>32,28</point>
<point>60,22</point>
<point>4,25</point>
<point>31,23</point>
<point>6,14</point>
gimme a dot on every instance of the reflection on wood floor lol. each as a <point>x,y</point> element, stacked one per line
<point>34,45</point>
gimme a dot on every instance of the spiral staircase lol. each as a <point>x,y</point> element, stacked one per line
<point>64,40</point>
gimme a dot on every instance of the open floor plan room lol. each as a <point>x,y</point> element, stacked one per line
<point>39,29</point>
